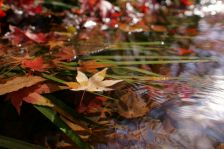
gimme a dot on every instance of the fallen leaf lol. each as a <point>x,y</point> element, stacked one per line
<point>17,36</point>
<point>183,51</point>
<point>36,64</point>
<point>37,37</point>
<point>19,83</point>
<point>54,43</point>
<point>32,95</point>
<point>91,66</point>
<point>139,27</point>
<point>132,106</point>
<point>2,13</point>
<point>94,83</point>
<point>65,54</point>
<point>158,28</point>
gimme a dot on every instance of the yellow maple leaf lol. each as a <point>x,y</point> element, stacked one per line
<point>94,83</point>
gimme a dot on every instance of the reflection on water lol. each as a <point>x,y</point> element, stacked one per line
<point>209,7</point>
<point>185,113</point>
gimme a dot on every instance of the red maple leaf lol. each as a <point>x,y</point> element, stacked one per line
<point>30,6</point>
<point>186,2</point>
<point>32,95</point>
<point>36,64</point>
<point>18,36</point>
<point>183,51</point>
<point>2,13</point>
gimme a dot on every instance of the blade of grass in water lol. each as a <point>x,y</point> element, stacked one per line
<point>139,43</point>
<point>12,143</point>
<point>55,119</point>
<point>53,78</point>
<point>58,4</point>
<point>142,77</point>
<point>69,64</point>
<point>153,62</point>
<point>141,71</point>
<point>119,48</point>
<point>139,57</point>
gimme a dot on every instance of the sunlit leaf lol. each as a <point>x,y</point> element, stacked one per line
<point>94,83</point>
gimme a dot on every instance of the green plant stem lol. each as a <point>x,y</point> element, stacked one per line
<point>12,143</point>
<point>55,119</point>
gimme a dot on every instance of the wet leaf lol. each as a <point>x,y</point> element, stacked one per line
<point>183,51</point>
<point>36,64</point>
<point>32,95</point>
<point>158,28</point>
<point>54,43</point>
<point>139,27</point>
<point>91,66</point>
<point>132,106</point>
<point>94,83</point>
<point>66,53</point>
<point>18,36</point>
<point>38,37</point>
<point>19,83</point>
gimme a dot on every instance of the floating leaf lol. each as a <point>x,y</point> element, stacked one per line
<point>94,83</point>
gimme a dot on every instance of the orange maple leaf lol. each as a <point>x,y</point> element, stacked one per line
<point>54,43</point>
<point>36,64</point>
<point>65,54</point>
<point>183,51</point>
<point>91,66</point>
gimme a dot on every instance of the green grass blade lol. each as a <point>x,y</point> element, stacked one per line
<point>141,77</point>
<point>55,119</point>
<point>58,4</point>
<point>141,71</point>
<point>140,57</point>
<point>140,48</point>
<point>53,78</point>
<point>139,43</point>
<point>154,62</point>
<point>12,143</point>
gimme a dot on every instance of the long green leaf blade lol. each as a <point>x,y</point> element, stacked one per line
<point>12,143</point>
<point>55,119</point>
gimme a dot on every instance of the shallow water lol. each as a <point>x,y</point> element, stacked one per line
<point>186,112</point>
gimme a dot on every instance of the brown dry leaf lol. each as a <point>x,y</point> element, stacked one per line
<point>18,83</point>
<point>91,66</point>
<point>55,43</point>
<point>139,27</point>
<point>132,106</point>
<point>158,28</point>
<point>75,127</point>
<point>220,146</point>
